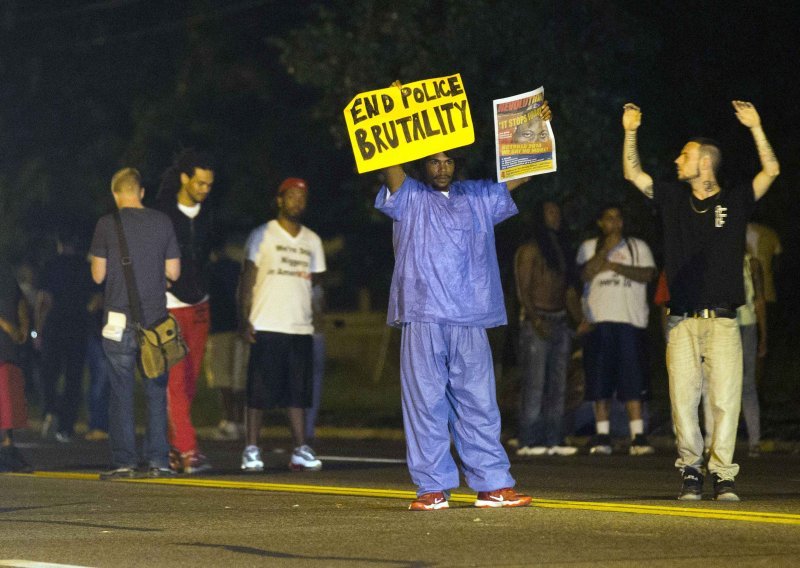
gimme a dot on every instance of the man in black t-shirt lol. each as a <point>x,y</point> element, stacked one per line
<point>704,237</point>
<point>154,256</point>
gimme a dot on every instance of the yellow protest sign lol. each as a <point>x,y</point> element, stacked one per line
<point>399,124</point>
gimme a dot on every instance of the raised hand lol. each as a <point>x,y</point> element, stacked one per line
<point>746,113</point>
<point>631,116</point>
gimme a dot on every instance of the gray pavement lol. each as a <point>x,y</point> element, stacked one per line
<point>607,511</point>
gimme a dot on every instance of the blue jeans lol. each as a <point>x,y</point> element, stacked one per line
<point>122,433</point>
<point>98,383</point>
<point>543,366</point>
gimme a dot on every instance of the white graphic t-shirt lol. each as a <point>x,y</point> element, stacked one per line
<point>610,297</point>
<point>282,292</point>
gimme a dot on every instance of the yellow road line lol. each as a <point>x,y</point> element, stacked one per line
<point>663,510</point>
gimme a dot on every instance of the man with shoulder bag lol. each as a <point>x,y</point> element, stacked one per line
<point>153,257</point>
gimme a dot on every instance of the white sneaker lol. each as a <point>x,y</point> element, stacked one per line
<point>251,459</point>
<point>562,451</point>
<point>226,431</point>
<point>304,459</point>
<point>532,451</point>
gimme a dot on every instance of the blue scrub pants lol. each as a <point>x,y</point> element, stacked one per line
<point>448,388</point>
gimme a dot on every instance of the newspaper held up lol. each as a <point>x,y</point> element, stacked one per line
<point>524,143</point>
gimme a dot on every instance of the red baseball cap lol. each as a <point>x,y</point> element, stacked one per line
<point>289,183</point>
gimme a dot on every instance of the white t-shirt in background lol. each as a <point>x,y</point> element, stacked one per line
<point>610,297</point>
<point>282,292</point>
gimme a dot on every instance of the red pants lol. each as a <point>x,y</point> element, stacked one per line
<point>13,410</point>
<point>182,385</point>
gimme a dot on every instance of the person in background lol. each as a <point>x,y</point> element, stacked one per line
<point>14,329</point>
<point>225,361</point>
<point>185,186</point>
<point>615,269</point>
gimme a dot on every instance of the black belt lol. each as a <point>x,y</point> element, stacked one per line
<point>703,313</point>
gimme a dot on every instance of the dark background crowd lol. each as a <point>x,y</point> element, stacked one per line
<point>89,86</point>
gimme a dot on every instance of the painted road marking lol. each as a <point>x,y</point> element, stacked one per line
<point>361,460</point>
<point>32,564</point>
<point>663,510</point>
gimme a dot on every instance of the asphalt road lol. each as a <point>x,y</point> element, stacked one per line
<point>605,511</point>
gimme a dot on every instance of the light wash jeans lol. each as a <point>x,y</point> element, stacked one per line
<point>122,432</point>
<point>712,349</point>
<point>543,366</point>
<point>750,408</point>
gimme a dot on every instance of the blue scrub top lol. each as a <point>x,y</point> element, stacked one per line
<point>446,268</point>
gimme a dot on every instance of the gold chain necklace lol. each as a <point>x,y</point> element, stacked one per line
<point>691,203</point>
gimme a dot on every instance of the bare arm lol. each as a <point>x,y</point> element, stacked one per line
<point>172,268</point>
<point>247,280</point>
<point>523,276</point>
<point>642,274</point>
<point>631,165</point>
<point>770,168</point>
<point>395,176</point>
<point>597,264</point>
<point>98,269</point>
<point>18,333</point>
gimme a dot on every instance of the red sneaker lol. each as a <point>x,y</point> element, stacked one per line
<point>505,497</point>
<point>429,502</point>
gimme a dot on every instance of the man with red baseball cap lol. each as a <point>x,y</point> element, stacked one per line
<point>282,261</point>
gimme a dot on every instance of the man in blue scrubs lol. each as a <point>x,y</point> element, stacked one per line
<point>445,292</point>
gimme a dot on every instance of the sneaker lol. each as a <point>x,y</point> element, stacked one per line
<point>640,446</point>
<point>195,462</point>
<point>119,473</point>
<point>692,488</point>
<point>175,461</point>
<point>562,451</point>
<point>601,445</point>
<point>160,472</point>
<point>251,459</point>
<point>532,451</point>
<point>724,489</point>
<point>505,497</point>
<point>429,502</point>
<point>304,459</point>
<point>63,437</point>
<point>96,435</point>
<point>226,431</point>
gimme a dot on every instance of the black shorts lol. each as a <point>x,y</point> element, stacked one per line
<point>279,373</point>
<point>615,360</point>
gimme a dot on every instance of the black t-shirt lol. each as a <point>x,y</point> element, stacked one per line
<point>68,278</point>
<point>151,241</point>
<point>704,243</point>
<point>10,296</point>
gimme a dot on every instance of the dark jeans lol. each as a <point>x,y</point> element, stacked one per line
<point>63,350</point>
<point>122,433</point>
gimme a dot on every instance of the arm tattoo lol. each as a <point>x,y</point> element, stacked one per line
<point>765,151</point>
<point>631,152</point>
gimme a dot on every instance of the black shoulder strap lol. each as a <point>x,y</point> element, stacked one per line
<point>127,270</point>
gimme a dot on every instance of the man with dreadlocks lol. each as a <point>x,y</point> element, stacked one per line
<point>615,270</point>
<point>543,274</point>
